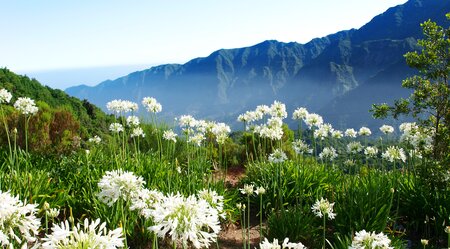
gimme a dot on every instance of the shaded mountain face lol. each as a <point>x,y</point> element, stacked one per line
<point>339,76</point>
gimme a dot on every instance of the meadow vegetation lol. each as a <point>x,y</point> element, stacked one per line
<point>78,178</point>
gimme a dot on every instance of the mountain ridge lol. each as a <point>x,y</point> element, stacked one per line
<point>320,74</point>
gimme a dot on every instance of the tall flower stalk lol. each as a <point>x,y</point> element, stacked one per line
<point>260,191</point>
<point>248,191</point>
<point>5,97</point>
<point>27,107</point>
<point>323,209</point>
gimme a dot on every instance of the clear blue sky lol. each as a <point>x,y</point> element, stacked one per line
<point>60,34</point>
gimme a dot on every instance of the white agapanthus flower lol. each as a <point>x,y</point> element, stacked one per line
<point>91,235</point>
<point>186,221</point>
<point>270,132</point>
<point>201,125</point>
<point>214,200</point>
<point>119,184</point>
<point>354,147</point>
<point>186,121</point>
<point>119,106</point>
<point>289,245</point>
<point>323,131</point>
<point>115,127</point>
<point>328,153</point>
<point>221,131</point>
<point>170,135</point>
<point>364,131</point>
<point>322,208</point>
<point>277,156</point>
<point>247,189</point>
<point>278,109</point>
<point>250,116</point>
<point>26,106</point>
<point>95,140</point>
<point>137,132</point>
<point>260,191</point>
<point>350,133</point>
<point>133,121</point>
<point>266,244</point>
<point>300,147</point>
<point>394,153</point>
<point>145,200</point>
<point>313,120</point>
<point>387,129</point>
<point>197,139</point>
<point>300,113</point>
<point>337,134</point>
<point>371,151</point>
<point>18,222</point>
<point>263,110</point>
<point>370,240</point>
<point>152,105</point>
<point>5,96</point>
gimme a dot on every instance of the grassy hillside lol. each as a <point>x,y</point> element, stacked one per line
<point>60,117</point>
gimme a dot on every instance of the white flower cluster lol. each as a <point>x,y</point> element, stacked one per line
<point>328,153</point>
<point>92,235</point>
<point>350,133</point>
<point>221,131</point>
<point>364,131</point>
<point>152,105</point>
<point>119,184</point>
<point>119,106</point>
<point>196,130</point>
<point>300,113</point>
<point>387,129</point>
<point>286,244</point>
<point>300,147</point>
<point>272,129</point>
<point>277,156</point>
<point>215,200</point>
<point>115,127</point>
<point>95,140</point>
<point>394,153</point>
<point>354,147</point>
<point>137,132</point>
<point>186,219</point>
<point>313,120</point>
<point>418,138</point>
<point>169,135</point>
<point>371,151</point>
<point>247,189</point>
<point>370,240</point>
<point>5,96</point>
<point>193,219</point>
<point>133,121</point>
<point>323,131</point>
<point>323,207</point>
<point>18,221</point>
<point>26,106</point>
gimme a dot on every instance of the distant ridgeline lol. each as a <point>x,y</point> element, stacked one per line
<point>338,76</point>
<point>62,121</point>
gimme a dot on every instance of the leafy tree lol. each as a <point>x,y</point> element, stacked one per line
<point>430,101</point>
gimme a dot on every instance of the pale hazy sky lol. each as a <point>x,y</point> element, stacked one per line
<point>62,34</point>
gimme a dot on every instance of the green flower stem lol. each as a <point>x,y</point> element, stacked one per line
<point>324,230</point>
<point>243,227</point>
<point>260,217</point>
<point>248,219</point>
<point>5,123</point>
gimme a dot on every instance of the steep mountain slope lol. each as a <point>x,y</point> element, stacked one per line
<point>339,75</point>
